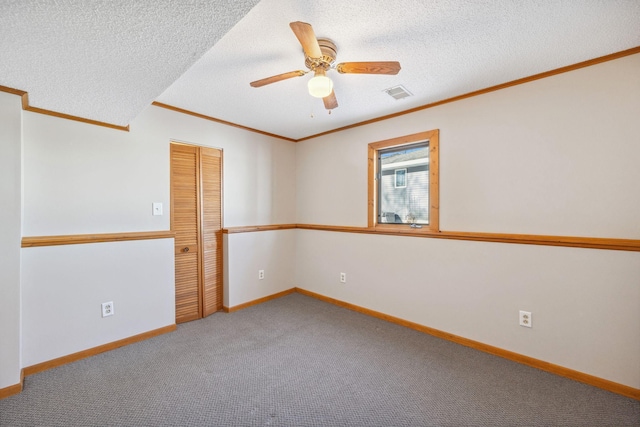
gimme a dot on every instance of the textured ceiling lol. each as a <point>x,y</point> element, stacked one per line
<point>107,60</point>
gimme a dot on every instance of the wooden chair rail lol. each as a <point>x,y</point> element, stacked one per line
<point>522,239</point>
<point>76,239</point>
<point>252,228</point>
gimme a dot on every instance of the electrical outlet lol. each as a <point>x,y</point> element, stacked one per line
<point>107,309</point>
<point>525,319</point>
<point>260,274</point>
<point>343,277</point>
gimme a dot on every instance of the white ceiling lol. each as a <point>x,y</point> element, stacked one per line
<point>108,60</point>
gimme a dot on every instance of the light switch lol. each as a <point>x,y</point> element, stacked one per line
<point>157,209</point>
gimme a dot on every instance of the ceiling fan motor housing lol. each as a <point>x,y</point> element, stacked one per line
<point>329,52</point>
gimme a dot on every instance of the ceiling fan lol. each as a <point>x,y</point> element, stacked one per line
<point>320,54</point>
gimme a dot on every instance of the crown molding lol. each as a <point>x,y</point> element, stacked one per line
<point>583,64</point>
<point>224,122</point>
<point>27,107</point>
<point>516,82</point>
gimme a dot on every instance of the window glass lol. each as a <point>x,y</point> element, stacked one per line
<point>403,184</point>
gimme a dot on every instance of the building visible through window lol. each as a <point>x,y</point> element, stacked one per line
<point>403,184</point>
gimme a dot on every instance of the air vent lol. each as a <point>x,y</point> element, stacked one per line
<point>398,92</point>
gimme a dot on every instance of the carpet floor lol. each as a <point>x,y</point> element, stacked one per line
<point>298,361</point>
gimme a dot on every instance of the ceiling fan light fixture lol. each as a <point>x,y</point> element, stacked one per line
<point>319,57</point>
<point>320,85</point>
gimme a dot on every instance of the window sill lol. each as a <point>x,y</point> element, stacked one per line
<point>402,229</point>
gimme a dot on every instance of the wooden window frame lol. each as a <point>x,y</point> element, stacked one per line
<point>434,199</point>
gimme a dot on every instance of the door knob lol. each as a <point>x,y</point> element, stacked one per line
<point>186,249</point>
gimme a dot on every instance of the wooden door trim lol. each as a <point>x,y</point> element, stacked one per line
<point>200,208</point>
<point>199,225</point>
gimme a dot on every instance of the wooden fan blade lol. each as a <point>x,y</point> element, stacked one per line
<point>330,102</point>
<point>380,67</point>
<point>277,78</point>
<point>307,38</point>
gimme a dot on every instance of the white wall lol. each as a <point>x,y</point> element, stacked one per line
<point>258,171</point>
<point>247,253</point>
<point>80,179</point>
<point>10,234</point>
<point>585,303</point>
<point>556,156</point>
<point>63,288</point>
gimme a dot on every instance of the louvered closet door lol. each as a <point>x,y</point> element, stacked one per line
<point>210,170</point>
<point>185,205</point>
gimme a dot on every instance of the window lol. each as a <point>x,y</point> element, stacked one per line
<point>403,192</point>
<point>400,178</point>
<point>403,183</point>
